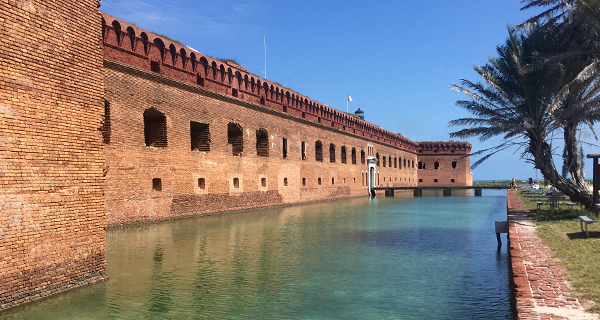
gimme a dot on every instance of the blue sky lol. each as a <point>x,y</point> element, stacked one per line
<point>396,59</point>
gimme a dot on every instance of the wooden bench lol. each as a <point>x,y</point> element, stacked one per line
<point>587,220</point>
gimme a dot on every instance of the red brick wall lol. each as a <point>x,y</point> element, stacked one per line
<point>445,154</point>
<point>51,189</point>
<point>133,165</point>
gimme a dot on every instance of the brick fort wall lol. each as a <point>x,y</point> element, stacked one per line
<point>51,188</point>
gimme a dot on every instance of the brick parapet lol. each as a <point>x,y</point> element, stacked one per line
<point>129,44</point>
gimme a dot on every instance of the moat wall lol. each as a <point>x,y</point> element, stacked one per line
<point>51,188</point>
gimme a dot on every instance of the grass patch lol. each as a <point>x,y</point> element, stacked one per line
<point>573,249</point>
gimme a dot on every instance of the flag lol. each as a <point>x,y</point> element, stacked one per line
<point>349,98</point>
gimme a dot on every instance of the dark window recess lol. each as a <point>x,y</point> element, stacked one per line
<point>332,180</point>
<point>436,165</point>
<point>353,155</point>
<point>453,164</point>
<point>156,184</point>
<point>155,66</point>
<point>303,181</point>
<point>199,80</point>
<point>319,181</point>
<point>395,162</point>
<point>235,138</point>
<point>420,180</point>
<point>303,114</point>
<point>413,164</point>
<point>236,182</point>
<point>234,92</point>
<point>263,182</point>
<point>285,183</point>
<point>434,180</point>
<point>284,146</point>
<point>343,154</point>
<point>332,153</point>
<point>303,147</point>
<point>284,108</point>
<point>451,151</point>
<point>451,180</point>
<point>362,157</point>
<point>106,123</point>
<point>377,156</point>
<point>408,163</point>
<point>319,151</point>
<point>262,143</point>
<point>435,151</point>
<point>201,183</point>
<point>262,101</point>
<point>319,119</point>
<point>155,128</point>
<point>384,161</point>
<point>200,136</point>
<point>421,165</point>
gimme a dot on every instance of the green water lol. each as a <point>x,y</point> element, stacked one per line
<point>387,258</point>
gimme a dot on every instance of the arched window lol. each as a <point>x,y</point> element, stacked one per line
<point>131,35</point>
<point>453,164</point>
<point>436,165</point>
<point>155,128</point>
<point>319,151</point>
<point>377,156</point>
<point>353,155</point>
<point>343,154</point>
<point>395,162</point>
<point>262,143</point>
<point>117,30</point>
<point>200,136</point>
<point>363,157</point>
<point>235,138</point>
<point>332,153</point>
<point>384,161</point>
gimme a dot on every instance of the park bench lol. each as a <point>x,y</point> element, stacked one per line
<point>587,220</point>
<point>570,204</point>
<point>539,204</point>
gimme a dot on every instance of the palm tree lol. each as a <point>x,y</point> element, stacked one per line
<point>520,104</point>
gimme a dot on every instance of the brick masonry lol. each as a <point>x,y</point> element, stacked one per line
<point>103,123</point>
<point>538,289</point>
<point>51,188</point>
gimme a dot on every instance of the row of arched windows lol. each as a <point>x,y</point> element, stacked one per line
<point>436,165</point>
<point>396,163</point>
<point>220,72</point>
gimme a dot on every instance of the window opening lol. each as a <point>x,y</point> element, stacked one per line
<point>199,80</point>
<point>235,138</point>
<point>155,66</point>
<point>303,181</point>
<point>332,180</point>
<point>155,128</point>
<point>435,180</point>
<point>343,154</point>
<point>319,151</point>
<point>156,184</point>
<point>384,162</point>
<point>106,123</point>
<point>332,153</point>
<point>303,147</point>
<point>285,183</point>
<point>395,162</point>
<point>319,181</point>
<point>236,183</point>
<point>436,165</point>
<point>263,182</point>
<point>234,92</point>
<point>284,146</point>
<point>362,157</point>
<point>201,183</point>
<point>453,164</point>
<point>377,157</point>
<point>420,180</point>
<point>353,155</point>
<point>262,143</point>
<point>451,180</point>
<point>200,136</point>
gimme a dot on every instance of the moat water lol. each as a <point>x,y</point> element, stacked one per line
<point>384,258</point>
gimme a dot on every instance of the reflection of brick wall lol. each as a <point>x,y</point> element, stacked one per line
<point>453,164</point>
<point>133,165</point>
<point>51,188</point>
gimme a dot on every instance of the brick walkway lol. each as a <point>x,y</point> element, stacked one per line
<point>540,292</point>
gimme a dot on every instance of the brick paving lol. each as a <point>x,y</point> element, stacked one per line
<point>539,290</point>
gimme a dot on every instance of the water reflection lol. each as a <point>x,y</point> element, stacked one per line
<point>353,259</point>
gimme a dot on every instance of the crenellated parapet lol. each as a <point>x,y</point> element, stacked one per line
<point>444,147</point>
<point>129,44</point>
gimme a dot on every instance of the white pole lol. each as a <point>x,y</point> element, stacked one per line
<point>265,41</point>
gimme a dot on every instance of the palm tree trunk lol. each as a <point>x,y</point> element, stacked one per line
<point>542,154</point>
<point>571,157</point>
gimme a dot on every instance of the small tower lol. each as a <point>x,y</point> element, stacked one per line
<point>359,113</point>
